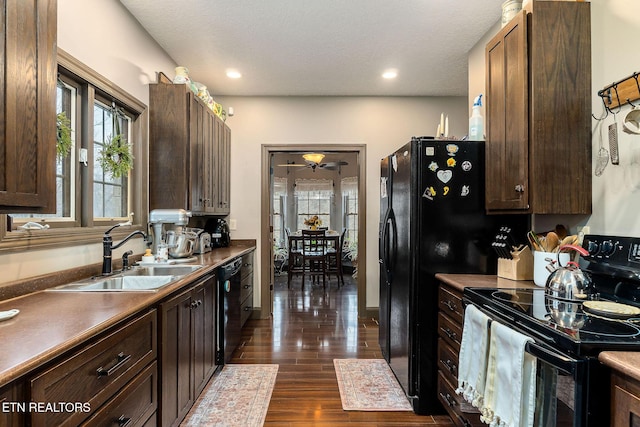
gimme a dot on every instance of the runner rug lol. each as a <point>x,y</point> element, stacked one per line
<point>238,395</point>
<point>369,385</point>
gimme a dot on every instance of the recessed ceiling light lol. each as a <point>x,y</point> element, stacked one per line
<point>233,74</point>
<point>390,74</point>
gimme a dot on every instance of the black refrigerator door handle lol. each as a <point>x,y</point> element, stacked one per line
<point>393,256</point>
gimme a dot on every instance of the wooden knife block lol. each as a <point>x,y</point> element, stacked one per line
<point>518,268</point>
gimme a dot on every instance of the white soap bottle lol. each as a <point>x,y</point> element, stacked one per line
<point>476,124</point>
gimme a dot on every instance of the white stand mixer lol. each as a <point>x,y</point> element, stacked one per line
<point>159,217</point>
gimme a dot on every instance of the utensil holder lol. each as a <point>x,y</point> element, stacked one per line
<point>518,268</point>
<point>541,261</point>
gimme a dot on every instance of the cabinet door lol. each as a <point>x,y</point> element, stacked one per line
<point>204,322</point>
<point>507,146</point>
<point>12,395</point>
<point>198,140</point>
<point>221,166</point>
<point>176,351</point>
<point>28,112</point>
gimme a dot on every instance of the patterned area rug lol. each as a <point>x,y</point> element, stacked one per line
<point>239,395</point>
<point>369,385</point>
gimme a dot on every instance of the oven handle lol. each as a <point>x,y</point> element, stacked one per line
<point>515,322</point>
<point>562,362</point>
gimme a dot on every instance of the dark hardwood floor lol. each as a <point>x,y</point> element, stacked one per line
<point>309,329</point>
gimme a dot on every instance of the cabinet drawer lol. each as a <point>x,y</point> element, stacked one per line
<point>247,265</point>
<point>462,413</point>
<point>134,404</point>
<point>246,287</point>
<point>450,331</point>
<point>450,302</point>
<point>246,309</point>
<point>448,361</point>
<point>96,372</point>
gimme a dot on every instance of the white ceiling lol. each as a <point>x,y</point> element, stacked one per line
<point>321,47</point>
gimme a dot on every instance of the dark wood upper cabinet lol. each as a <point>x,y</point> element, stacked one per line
<point>27,110</point>
<point>538,109</point>
<point>188,153</point>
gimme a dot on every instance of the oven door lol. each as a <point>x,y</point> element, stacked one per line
<point>570,392</point>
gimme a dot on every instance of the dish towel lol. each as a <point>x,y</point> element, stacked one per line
<point>511,380</point>
<point>472,359</point>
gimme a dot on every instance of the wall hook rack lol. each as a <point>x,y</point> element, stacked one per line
<point>622,92</point>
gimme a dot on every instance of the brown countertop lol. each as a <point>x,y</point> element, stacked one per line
<point>625,362</point>
<point>51,323</point>
<point>461,281</point>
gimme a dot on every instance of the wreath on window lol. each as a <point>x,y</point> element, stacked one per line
<point>63,137</point>
<point>116,157</point>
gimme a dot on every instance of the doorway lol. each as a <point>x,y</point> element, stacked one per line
<point>332,151</point>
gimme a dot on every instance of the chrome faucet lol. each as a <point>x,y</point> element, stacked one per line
<point>108,247</point>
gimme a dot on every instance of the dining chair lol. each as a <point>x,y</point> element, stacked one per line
<point>295,263</point>
<point>334,259</point>
<point>314,255</point>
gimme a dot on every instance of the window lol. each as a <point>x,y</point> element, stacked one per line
<point>88,199</point>
<point>279,210</point>
<point>350,210</point>
<point>313,197</point>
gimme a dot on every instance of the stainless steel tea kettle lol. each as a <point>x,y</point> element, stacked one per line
<point>566,288</point>
<point>568,282</point>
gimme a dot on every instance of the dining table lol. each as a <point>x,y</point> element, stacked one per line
<point>332,236</point>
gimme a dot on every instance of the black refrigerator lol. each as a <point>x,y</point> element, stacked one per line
<point>432,220</point>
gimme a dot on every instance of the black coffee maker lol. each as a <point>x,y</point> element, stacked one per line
<point>219,231</point>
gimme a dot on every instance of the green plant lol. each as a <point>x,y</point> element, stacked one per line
<point>63,140</point>
<point>115,157</point>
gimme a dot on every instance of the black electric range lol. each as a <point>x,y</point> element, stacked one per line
<point>570,379</point>
<point>613,264</point>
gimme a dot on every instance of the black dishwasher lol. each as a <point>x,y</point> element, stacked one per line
<point>229,312</point>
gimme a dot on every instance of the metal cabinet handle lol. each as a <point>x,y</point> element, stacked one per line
<point>247,286</point>
<point>450,333</point>
<point>450,366</point>
<point>121,360</point>
<point>248,308</point>
<point>450,400</point>
<point>195,304</point>
<point>519,188</point>
<point>450,305</point>
<point>124,421</point>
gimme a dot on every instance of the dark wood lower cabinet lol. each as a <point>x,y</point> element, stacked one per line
<point>9,395</point>
<point>187,348</point>
<point>450,322</point>
<point>625,401</point>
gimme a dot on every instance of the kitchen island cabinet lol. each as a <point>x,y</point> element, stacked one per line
<point>28,112</point>
<point>189,148</point>
<point>538,108</point>
<point>187,343</point>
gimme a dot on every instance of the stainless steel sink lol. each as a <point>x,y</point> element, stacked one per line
<point>119,283</point>
<point>162,270</point>
<point>147,278</point>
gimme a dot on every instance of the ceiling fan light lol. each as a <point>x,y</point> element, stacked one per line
<point>313,157</point>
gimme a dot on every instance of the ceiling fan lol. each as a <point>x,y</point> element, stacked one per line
<point>314,160</point>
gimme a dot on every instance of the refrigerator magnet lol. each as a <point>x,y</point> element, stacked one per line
<point>444,175</point>
<point>429,193</point>
<point>466,166</point>
<point>445,190</point>
<point>464,191</point>
<point>433,166</point>
<point>451,162</point>
<point>452,149</point>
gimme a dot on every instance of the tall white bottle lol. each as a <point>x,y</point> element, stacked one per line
<point>476,123</point>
